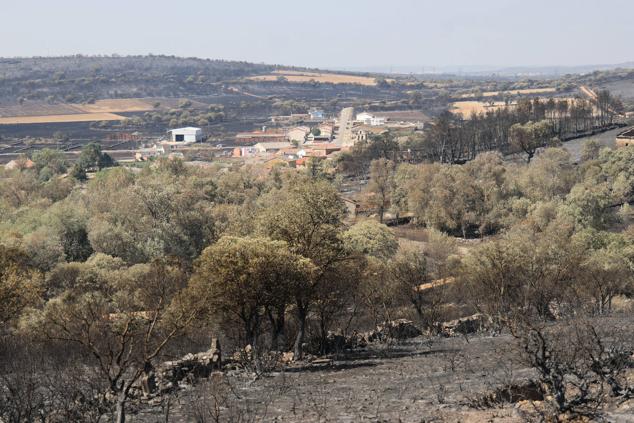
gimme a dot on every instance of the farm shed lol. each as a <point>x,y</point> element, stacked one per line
<point>188,134</point>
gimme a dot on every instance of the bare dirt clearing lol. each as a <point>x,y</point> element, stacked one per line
<point>605,139</point>
<point>128,105</point>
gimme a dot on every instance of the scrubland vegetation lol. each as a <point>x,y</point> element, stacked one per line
<point>105,277</point>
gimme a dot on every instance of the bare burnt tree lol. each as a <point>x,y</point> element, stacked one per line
<point>580,365</point>
<point>48,381</point>
<point>221,400</point>
<point>126,333</point>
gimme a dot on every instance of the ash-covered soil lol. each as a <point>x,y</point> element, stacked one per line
<point>413,381</point>
<point>417,380</point>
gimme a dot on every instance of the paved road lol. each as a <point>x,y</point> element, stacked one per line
<point>606,139</point>
<point>346,119</point>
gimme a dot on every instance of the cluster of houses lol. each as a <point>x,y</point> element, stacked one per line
<point>294,138</point>
<point>294,141</point>
<point>323,132</point>
<point>297,138</point>
<point>315,127</point>
<point>296,135</point>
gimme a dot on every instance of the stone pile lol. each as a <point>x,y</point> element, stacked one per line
<point>179,373</point>
<point>465,325</point>
<point>398,329</point>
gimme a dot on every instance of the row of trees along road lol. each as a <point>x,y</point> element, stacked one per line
<point>520,128</point>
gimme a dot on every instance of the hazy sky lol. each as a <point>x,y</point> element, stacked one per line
<point>329,33</point>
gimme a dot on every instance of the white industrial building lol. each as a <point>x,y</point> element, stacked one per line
<point>369,119</point>
<point>188,134</point>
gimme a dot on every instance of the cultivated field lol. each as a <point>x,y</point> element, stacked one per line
<point>77,117</point>
<point>100,110</point>
<point>513,92</point>
<point>332,78</point>
<point>38,108</point>
<point>466,108</point>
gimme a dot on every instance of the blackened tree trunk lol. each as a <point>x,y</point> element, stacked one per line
<point>120,410</point>
<point>277,320</point>
<point>301,332</point>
